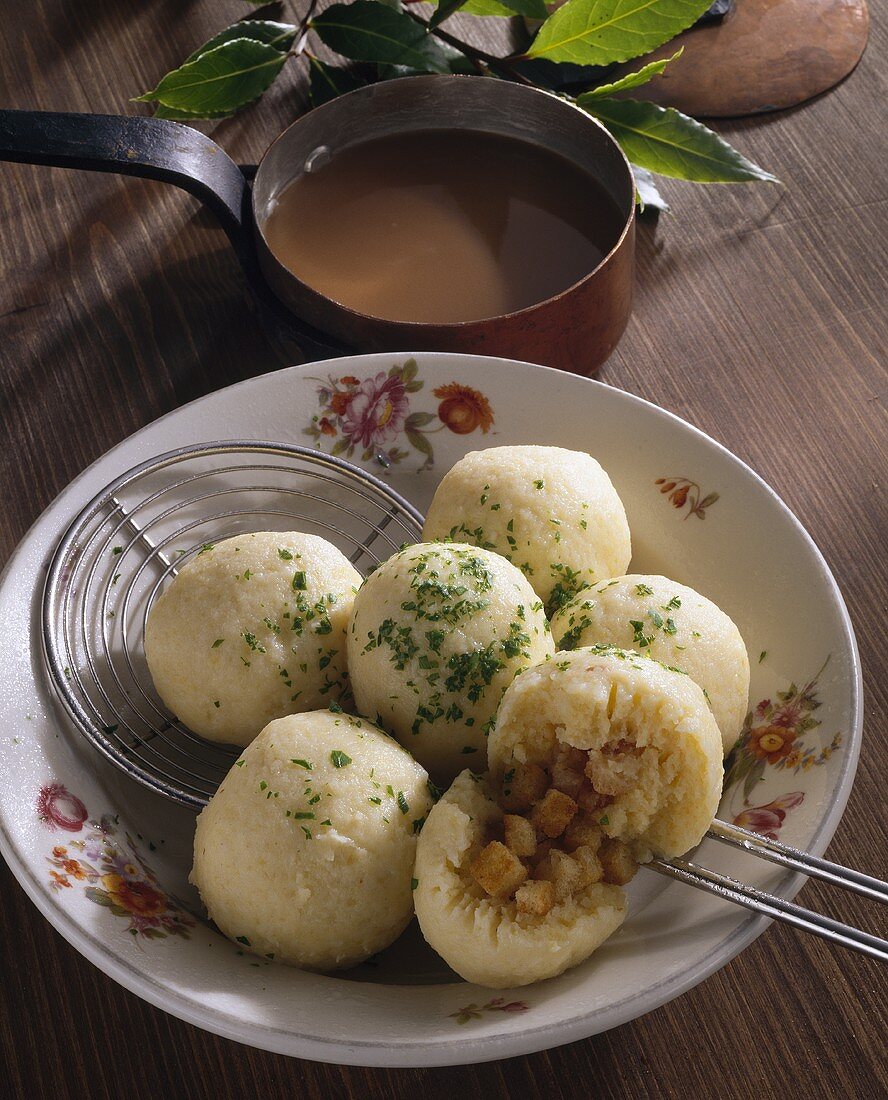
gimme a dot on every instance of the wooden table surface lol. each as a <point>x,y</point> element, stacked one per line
<point>760,317</point>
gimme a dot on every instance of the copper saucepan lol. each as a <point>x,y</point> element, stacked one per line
<point>575,330</point>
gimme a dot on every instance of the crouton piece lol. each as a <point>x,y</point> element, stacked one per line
<point>497,870</point>
<point>592,802</point>
<point>552,814</point>
<point>520,835</point>
<point>590,866</point>
<point>583,830</point>
<point>523,785</point>
<point>543,849</point>
<point>565,874</point>
<point>567,769</point>
<point>617,862</point>
<point>535,897</point>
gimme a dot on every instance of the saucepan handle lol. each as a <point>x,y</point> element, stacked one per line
<point>134,146</point>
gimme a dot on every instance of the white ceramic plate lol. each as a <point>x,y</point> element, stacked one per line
<point>106,861</point>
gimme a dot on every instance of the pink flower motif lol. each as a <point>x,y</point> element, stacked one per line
<point>376,410</point>
<point>57,808</point>
<point>768,819</point>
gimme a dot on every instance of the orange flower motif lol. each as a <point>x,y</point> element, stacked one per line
<point>59,880</point>
<point>136,897</point>
<point>72,867</point>
<point>326,427</point>
<point>59,852</point>
<point>339,402</point>
<point>463,409</point>
<point>771,743</point>
<point>349,380</point>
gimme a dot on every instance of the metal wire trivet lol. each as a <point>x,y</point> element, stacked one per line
<point>129,541</point>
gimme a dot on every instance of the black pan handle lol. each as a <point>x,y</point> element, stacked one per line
<point>135,146</point>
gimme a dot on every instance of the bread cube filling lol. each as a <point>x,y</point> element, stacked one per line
<point>549,845</point>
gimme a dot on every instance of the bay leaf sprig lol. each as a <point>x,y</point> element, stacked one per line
<point>380,39</point>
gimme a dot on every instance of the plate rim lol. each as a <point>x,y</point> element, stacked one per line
<point>459,1049</point>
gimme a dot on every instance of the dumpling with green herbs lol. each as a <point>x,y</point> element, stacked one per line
<point>554,513</point>
<point>438,632</point>
<point>673,624</point>
<point>251,629</point>
<point>305,854</point>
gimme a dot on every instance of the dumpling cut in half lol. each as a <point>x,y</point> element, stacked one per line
<point>599,760</point>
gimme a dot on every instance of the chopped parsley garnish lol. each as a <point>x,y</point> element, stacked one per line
<point>763,655</point>
<point>403,804</point>
<point>302,764</point>
<point>284,554</point>
<point>299,581</point>
<point>644,590</point>
<point>207,546</point>
<point>217,643</point>
<point>304,815</point>
<point>117,550</point>
<point>538,484</point>
<point>243,940</point>
<point>339,758</point>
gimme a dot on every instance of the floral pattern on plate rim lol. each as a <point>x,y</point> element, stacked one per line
<point>682,492</point>
<point>498,1004</point>
<point>113,871</point>
<point>368,416</point>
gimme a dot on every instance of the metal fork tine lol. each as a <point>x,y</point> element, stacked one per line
<point>813,866</point>
<point>777,908</point>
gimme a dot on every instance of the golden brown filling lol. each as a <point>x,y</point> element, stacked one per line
<point>549,845</point>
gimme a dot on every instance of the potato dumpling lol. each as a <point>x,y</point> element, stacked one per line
<point>671,623</point>
<point>533,923</point>
<point>437,634</point>
<point>251,629</point>
<point>552,512</point>
<point>305,853</point>
<point>631,745</point>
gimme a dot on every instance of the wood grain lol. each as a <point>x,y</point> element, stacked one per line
<point>760,317</point>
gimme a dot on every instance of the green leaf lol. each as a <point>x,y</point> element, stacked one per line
<point>444,10</point>
<point>664,140</point>
<point>646,193</point>
<point>221,80</point>
<point>419,441</point>
<point>600,32</point>
<point>419,420</point>
<point>370,31</point>
<point>486,8</point>
<point>280,35</point>
<point>326,82</point>
<point>630,80</point>
<point>531,9</point>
